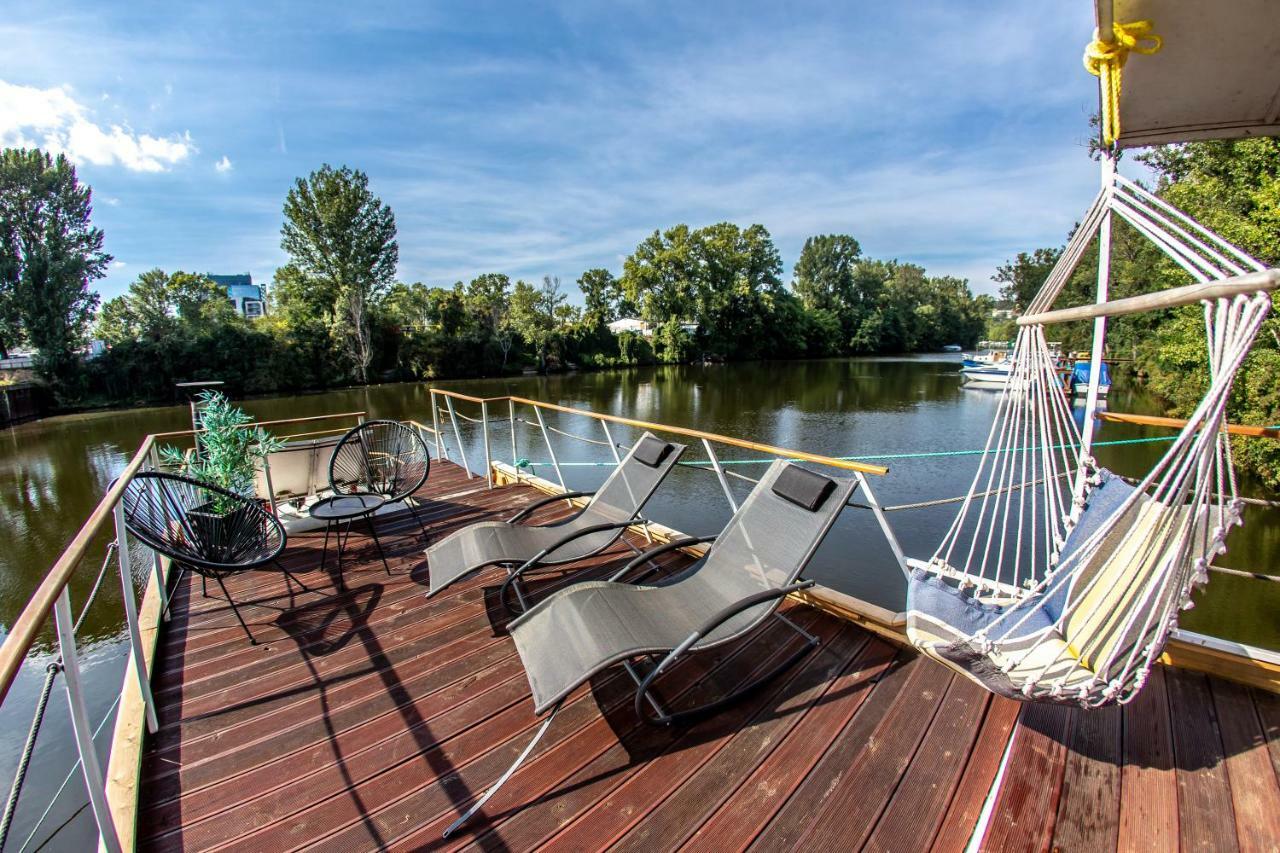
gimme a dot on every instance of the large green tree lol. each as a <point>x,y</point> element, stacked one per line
<point>49,254</point>
<point>1021,278</point>
<point>825,272</point>
<point>341,238</point>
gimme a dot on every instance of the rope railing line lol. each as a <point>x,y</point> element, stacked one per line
<point>1244,573</point>
<point>28,748</point>
<point>595,441</point>
<point>66,781</point>
<point>458,415</point>
<point>93,593</point>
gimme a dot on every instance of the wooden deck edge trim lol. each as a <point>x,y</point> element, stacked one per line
<point>1241,668</point>
<point>124,762</point>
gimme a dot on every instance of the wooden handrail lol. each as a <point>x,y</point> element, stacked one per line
<point>1179,423</point>
<point>711,436</point>
<point>1187,295</point>
<point>455,395</point>
<point>27,626</point>
<point>22,635</point>
<point>179,432</point>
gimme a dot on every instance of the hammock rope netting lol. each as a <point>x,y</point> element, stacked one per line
<point>1058,581</point>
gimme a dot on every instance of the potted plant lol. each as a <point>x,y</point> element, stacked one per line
<point>227,455</point>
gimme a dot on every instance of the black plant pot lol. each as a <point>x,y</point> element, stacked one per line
<point>217,531</point>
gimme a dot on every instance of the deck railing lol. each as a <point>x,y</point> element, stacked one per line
<point>52,597</point>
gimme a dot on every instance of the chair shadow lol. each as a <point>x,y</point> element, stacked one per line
<point>325,625</point>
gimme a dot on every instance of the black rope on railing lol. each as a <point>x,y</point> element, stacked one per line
<point>20,775</point>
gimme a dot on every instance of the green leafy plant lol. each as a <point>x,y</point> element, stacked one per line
<point>228,451</point>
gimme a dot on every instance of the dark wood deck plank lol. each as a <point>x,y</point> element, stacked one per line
<point>979,775</point>
<point>738,821</point>
<point>1089,806</point>
<point>369,719</point>
<point>1206,819</point>
<point>1255,794</point>
<point>915,813</point>
<point>1027,805</point>
<point>1149,786</point>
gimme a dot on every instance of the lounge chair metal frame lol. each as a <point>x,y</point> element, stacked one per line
<point>512,593</point>
<point>701,638</point>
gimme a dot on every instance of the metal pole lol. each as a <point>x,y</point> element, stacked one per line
<point>271,489</point>
<point>131,618</point>
<point>515,455</point>
<point>157,565</point>
<point>1099,323</point>
<point>612,446</point>
<point>441,453</point>
<point>89,763</point>
<point>724,481</point>
<point>484,426</point>
<point>885,528</point>
<point>457,434</point>
<point>555,463</point>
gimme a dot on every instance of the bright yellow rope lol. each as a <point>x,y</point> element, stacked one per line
<point>1104,60</point>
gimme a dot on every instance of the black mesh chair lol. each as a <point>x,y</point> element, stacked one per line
<point>204,529</point>
<point>384,458</point>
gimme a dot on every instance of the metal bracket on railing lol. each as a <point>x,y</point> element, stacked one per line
<point>724,481</point>
<point>88,753</point>
<point>457,434</point>
<point>612,445</point>
<point>131,618</point>
<point>555,463</point>
<point>883,520</point>
<point>488,458</point>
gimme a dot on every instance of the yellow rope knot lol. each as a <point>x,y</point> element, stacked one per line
<point>1104,60</point>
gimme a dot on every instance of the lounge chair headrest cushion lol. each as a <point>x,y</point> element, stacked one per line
<point>803,488</point>
<point>651,451</point>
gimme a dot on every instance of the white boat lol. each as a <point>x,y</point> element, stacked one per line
<point>986,375</point>
<point>1080,379</point>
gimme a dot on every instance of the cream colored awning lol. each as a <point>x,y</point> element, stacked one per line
<point>1217,76</point>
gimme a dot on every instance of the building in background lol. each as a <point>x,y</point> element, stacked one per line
<point>243,293</point>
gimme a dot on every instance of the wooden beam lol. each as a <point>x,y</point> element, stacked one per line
<point>1179,423</point>
<point>1252,282</point>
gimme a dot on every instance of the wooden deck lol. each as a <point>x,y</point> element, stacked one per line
<point>368,719</point>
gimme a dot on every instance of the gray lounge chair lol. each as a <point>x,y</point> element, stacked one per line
<point>753,564</point>
<point>613,507</point>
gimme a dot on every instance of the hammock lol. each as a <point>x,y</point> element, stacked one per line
<point>1059,581</point>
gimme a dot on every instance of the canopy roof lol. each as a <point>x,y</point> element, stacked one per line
<point>1216,77</point>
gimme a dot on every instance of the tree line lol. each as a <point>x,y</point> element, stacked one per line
<point>337,315</point>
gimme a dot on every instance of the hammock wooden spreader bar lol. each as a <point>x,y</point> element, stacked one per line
<point>1252,282</point>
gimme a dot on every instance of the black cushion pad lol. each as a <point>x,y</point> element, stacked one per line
<point>651,451</point>
<point>802,487</point>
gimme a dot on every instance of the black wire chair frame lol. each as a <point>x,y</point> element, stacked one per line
<point>382,457</point>
<point>178,516</point>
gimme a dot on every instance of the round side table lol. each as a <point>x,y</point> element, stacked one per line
<point>333,511</point>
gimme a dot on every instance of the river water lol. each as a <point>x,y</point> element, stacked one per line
<point>53,472</point>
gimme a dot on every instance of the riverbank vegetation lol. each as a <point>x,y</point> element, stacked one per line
<point>337,315</point>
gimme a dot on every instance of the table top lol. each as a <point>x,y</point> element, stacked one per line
<point>341,507</point>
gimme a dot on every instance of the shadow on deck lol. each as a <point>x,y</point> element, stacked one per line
<point>370,718</point>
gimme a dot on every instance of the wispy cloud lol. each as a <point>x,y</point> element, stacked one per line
<point>224,165</point>
<point>54,120</point>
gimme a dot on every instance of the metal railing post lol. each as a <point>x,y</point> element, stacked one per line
<point>484,427</point>
<point>131,618</point>
<point>885,528</point>
<point>271,489</point>
<point>441,451</point>
<point>724,481</point>
<point>555,463</point>
<point>515,455</point>
<point>80,724</point>
<point>157,565</point>
<point>457,434</point>
<point>609,438</point>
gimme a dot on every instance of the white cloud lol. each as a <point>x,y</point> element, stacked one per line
<point>118,265</point>
<point>224,165</point>
<point>54,120</point>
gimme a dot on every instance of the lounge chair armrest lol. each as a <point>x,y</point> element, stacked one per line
<point>559,543</point>
<point>536,505</point>
<point>657,551</point>
<point>706,628</point>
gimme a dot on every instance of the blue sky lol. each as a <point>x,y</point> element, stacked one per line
<point>541,139</point>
